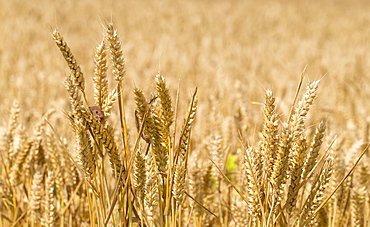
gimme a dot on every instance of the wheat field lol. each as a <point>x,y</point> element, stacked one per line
<point>184,113</point>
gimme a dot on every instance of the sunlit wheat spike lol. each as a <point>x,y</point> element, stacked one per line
<point>239,212</point>
<point>217,155</point>
<point>280,168</point>
<point>14,117</point>
<point>152,128</point>
<point>37,193</point>
<point>186,128</point>
<point>357,206</point>
<point>53,155</point>
<point>155,130</point>
<point>296,161</point>
<point>253,186</point>
<point>179,181</point>
<point>68,174</point>
<point>37,156</point>
<point>300,114</point>
<point>15,143</point>
<point>141,103</point>
<point>100,75</point>
<point>298,153</point>
<point>269,138</point>
<point>118,62</point>
<point>142,109</point>
<point>151,188</point>
<point>49,214</point>
<point>76,73</point>
<point>199,181</point>
<point>165,100</point>
<point>163,119</point>
<point>19,161</point>
<point>108,103</point>
<point>317,191</point>
<point>112,150</point>
<point>11,130</point>
<point>79,111</point>
<point>139,175</point>
<point>84,149</point>
<point>314,149</point>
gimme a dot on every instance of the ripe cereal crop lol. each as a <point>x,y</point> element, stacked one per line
<point>194,113</point>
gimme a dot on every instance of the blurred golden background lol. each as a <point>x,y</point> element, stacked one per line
<point>222,47</point>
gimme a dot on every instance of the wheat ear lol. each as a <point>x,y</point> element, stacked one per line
<point>314,149</point>
<point>100,75</point>
<point>49,214</point>
<point>280,168</point>
<point>139,175</point>
<point>253,187</point>
<point>116,53</point>
<point>151,188</point>
<point>36,196</point>
<point>85,149</point>
<point>317,191</point>
<point>270,138</point>
<point>299,143</point>
<point>11,131</point>
<point>76,74</point>
<point>185,133</point>
<point>166,105</point>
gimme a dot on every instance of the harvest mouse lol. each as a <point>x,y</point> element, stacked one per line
<point>97,113</point>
